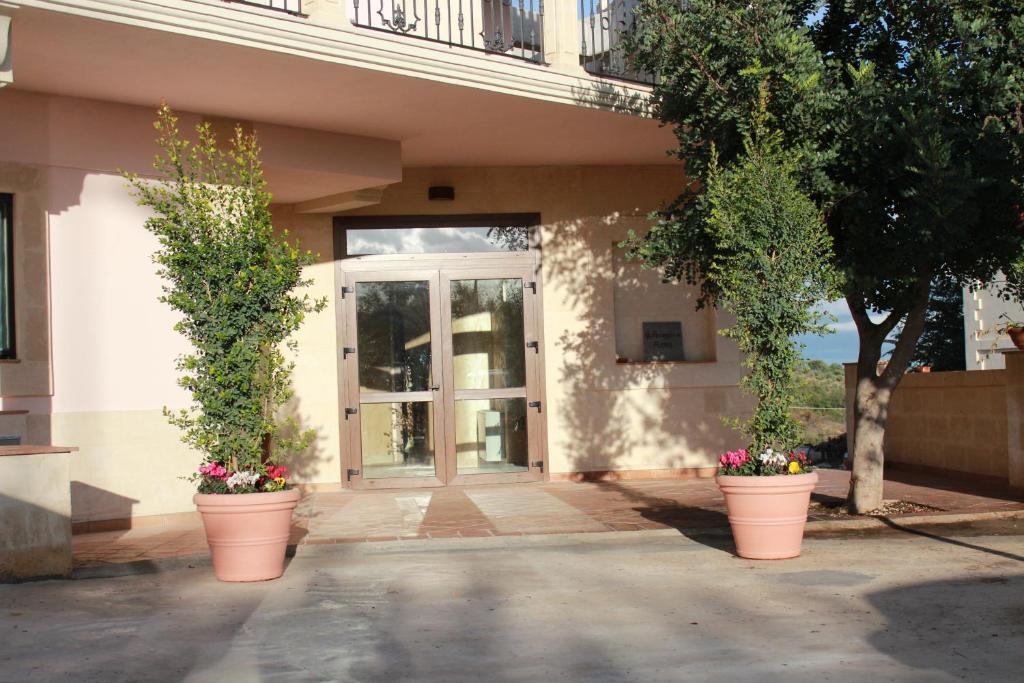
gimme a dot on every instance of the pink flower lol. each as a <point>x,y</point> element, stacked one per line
<point>214,469</point>
<point>734,459</point>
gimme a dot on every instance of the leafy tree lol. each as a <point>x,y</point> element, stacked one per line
<point>907,115</point>
<point>819,385</point>
<point>771,267</point>
<point>232,279</point>
<point>941,345</point>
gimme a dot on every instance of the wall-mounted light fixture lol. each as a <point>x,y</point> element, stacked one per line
<point>441,193</point>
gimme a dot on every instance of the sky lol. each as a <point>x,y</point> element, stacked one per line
<point>839,347</point>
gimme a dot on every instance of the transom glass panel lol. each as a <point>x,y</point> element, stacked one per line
<point>440,240</point>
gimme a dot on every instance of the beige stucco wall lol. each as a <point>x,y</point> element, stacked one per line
<point>947,420</point>
<point>29,374</point>
<point>35,516</point>
<point>110,347</point>
<point>600,415</point>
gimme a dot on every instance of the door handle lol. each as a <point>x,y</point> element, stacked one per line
<point>436,387</point>
<point>533,345</point>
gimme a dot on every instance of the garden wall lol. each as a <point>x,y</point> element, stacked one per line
<point>963,422</point>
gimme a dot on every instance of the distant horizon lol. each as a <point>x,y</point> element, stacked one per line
<point>839,347</point>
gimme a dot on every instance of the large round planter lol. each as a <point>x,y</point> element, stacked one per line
<point>1016,335</point>
<point>768,514</point>
<point>247,532</point>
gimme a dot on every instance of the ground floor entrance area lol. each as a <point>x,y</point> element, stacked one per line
<point>441,361</point>
<point>682,505</point>
<point>650,607</point>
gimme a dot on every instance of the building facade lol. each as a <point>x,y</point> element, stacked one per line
<point>984,312</point>
<point>464,174</point>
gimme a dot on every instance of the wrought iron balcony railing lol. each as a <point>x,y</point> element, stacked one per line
<point>510,27</point>
<point>603,23</point>
<point>289,6</point>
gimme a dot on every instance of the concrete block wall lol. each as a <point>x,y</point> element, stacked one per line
<point>967,422</point>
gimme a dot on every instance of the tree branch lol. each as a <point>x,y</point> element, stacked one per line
<point>909,335</point>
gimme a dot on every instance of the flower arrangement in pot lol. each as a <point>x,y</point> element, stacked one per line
<point>1014,329</point>
<point>232,279</point>
<point>771,269</point>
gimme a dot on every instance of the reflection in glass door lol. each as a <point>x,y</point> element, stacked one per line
<point>443,371</point>
<point>488,361</point>
<point>396,360</point>
<point>490,369</point>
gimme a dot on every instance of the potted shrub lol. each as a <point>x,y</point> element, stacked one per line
<point>1012,329</point>
<point>770,271</point>
<point>233,280</point>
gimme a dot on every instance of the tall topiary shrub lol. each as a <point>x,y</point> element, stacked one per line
<point>234,281</point>
<point>770,267</point>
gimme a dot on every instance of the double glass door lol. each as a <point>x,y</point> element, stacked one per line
<point>441,372</point>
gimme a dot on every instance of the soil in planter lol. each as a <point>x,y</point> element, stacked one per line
<point>837,509</point>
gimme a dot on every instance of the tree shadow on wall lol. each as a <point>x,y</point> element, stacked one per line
<point>621,416</point>
<point>304,466</point>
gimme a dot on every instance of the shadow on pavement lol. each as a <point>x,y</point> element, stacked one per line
<point>963,626</point>
<point>702,525</point>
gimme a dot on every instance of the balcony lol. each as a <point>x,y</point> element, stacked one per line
<point>509,27</point>
<point>286,6</point>
<point>573,36</point>
<point>603,25</point>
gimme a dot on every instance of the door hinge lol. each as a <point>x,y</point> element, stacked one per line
<point>539,465</point>
<point>347,350</point>
<point>534,404</point>
<point>532,286</point>
<point>351,411</point>
<point>351,473</point>
<point>346,290</point>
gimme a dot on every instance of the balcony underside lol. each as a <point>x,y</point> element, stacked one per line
<point>438,123</point>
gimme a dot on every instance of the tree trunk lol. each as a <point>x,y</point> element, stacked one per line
<point>874,390</point>
<point>871,404</point>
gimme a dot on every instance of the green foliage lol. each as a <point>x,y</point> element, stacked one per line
<point>818,384</point>
<point>906,115</point>
<point>941,345</point>
<point>770,269</point>
<point>232,280</point>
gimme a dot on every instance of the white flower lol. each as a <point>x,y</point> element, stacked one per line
<point>241,478</point>
<point>772,459</point>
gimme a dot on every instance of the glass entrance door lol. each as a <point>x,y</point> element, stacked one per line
<point>392,358</point>
<point>490,358</point>
<point>441,375</point>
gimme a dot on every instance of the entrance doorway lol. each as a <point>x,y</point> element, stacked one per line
<point>441,362</point>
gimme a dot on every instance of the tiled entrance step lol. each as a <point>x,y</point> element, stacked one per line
<point>519,509</point>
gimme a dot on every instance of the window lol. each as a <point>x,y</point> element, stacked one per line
<point>460,234</point>
<point>6,276</point>
<point>441,240</point>
<point>657,321</point>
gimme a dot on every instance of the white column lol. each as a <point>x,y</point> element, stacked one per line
<point>562,36</point>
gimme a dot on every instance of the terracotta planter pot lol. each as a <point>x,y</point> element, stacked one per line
<point>768,514</point>
<point>1016,335</point>
<point>247,532</point>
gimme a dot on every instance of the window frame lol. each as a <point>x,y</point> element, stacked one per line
<point>8,345</point>
<point>530,221</point>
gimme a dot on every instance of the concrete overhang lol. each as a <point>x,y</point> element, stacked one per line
<point>300,165</point>
<point>446,106</point>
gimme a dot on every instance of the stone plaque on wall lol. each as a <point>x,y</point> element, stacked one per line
<point>663,341</point>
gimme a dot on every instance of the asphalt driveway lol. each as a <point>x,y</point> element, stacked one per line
<point>651,606</point>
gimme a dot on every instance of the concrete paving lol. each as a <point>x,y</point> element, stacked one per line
<point>536,508</point>
<point>939,604</point>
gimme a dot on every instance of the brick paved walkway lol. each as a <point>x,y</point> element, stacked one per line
<point>518,509</point>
